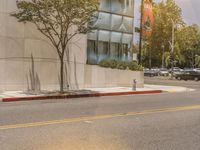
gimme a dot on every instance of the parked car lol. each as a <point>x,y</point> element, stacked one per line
<point>176,70</point>
<point>188,75</point>
<point>150,73</point>
<point>197,69</point>
<point>164,72</point>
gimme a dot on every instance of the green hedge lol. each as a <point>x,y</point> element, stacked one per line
<point>116,64</point>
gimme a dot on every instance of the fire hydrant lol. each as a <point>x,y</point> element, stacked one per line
<point>134,85</point>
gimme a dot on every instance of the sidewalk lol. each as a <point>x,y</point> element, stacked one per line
<point>146,88</point>
<point>90,92</point>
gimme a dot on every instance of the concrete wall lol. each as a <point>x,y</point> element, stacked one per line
<point>96,76</point>
<point>19,41</point>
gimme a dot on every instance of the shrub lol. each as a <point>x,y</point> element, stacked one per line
<point>134,66</point>
<point>104,63</point>
<point>122,65</point>
<point>114,64</point>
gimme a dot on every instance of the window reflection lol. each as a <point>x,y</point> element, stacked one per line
<point>113,37</point>
<point>103,21</point>
<point>103,50</point>
<point>122,7</point>
<point>92,52</point>
<point>92,35</point>
<point>105,5</point>
<point>116,37</point>
<point>116,22</point>
<point>128,24</point>
<point>104,36</point>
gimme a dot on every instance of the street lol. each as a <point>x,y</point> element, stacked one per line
<point>139,122</point>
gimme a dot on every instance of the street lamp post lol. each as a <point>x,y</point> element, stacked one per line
<point>141,31</point>
<point>163,57</point>
<point>172,50</point>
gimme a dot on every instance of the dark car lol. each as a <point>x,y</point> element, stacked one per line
<point>188,75</point>
<point>150,73</point>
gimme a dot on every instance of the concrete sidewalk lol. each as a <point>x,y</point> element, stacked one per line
<point>147,87</point>
<point>90,92</point>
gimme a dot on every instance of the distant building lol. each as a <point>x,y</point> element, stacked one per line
<point>113,39</point>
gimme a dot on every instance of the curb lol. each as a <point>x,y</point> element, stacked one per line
<point>15,99</point>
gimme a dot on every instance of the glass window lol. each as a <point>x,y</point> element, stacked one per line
<point>127,38</point>
<point>116,22</point>
<point>105,5</point>
<point>103,50</point>
<point>91,52</point>
<point>127,24</point>
<point>104,36</point>
<point>125,49</point>
<point>117,6</point>
<point>129,8</point>
<point>116,37</point>
<point>120,23</point>
<point>103,21</point>
<point>122,7</point>
<point>115,51</point>
<point>92,35</point>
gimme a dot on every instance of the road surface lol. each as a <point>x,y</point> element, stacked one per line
<point>167,121</point>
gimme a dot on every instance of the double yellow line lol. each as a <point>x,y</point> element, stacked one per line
<point>100,117</point>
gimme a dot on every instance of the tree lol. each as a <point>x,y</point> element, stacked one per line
<point>164,13</point>
<point>58,20</point>
<point>188,39</point>
<point>197,61</point>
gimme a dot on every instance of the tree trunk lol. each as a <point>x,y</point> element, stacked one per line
<point>61,75</point>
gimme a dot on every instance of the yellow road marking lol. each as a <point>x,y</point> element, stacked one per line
<point>100,117</point>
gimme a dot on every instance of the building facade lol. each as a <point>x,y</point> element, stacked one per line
<point>23,47</point>
<point>113,37</point>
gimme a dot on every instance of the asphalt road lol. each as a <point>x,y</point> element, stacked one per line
<point>174,82</point>
<point>167,121</point>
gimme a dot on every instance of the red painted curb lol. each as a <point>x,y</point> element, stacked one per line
<point>14,99</point>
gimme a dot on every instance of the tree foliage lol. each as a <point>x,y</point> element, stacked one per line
<point>188,39</point>
<point>58,20</point>
<point>167,15</point>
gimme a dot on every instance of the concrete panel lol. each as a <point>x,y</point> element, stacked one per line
<point>14,47</point>
<point>40,49</point>
<point>76,75</point>
<point>96,76</point>
<point>112,77</point>
<point>3,24</point>
<point>48,74</point>
<point>11,6</point>
<point>2,76</point>
<point>31,32</point>
<point>14,73</point>
<point>45,71</point>
<point>3,47</point>
<point>14,28</point>
<point>3,6</point>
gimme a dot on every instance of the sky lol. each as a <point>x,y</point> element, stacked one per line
<point>190,10</point>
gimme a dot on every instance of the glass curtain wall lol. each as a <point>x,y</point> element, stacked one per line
<point>113,34</point>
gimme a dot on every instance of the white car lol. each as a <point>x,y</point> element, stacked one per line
<point>164,72</point>
<point>197,69</point>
